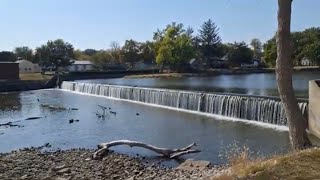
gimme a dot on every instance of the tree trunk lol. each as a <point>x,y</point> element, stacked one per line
<point>284,68</point>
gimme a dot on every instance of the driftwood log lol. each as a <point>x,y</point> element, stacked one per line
<point>168,153</point>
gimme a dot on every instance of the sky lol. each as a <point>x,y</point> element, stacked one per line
<point>96,23</point>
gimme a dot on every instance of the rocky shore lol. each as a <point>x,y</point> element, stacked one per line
<point>32,163</point>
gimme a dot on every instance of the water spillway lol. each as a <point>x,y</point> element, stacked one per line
<point>263,109</point>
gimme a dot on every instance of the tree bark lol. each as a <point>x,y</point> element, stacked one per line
<point>168,153</point>
<point>284,68</point>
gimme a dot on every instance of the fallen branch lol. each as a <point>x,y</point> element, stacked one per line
<point>103,115</point>
<point>10,124</point>
<point>168,153</point>
<point>33,118</point>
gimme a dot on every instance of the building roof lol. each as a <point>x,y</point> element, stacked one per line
<point>193,60</point>
<point>21,60</point>
<point>7,62</point>
<point>76,62</point>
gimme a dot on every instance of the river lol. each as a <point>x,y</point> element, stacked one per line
<point>261,84</point>
<point>158,126</point>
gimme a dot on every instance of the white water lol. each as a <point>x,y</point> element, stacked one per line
<point>258,109</point>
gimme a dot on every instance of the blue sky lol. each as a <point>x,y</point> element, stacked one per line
<point>95,23</point>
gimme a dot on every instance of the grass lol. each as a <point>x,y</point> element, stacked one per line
<point>298,165</point>
<point>34,76</point>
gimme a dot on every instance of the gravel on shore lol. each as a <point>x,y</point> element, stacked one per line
<point>32,163</point>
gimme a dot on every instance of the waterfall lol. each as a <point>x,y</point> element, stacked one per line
<point>263,109</point>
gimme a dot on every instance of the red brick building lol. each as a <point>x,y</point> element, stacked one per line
<point>9,71</point>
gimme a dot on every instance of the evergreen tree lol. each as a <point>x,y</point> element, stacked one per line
<point>209,41</point>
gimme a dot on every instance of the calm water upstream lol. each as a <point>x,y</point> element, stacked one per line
<point>158,126</point>
<point>263,84</point>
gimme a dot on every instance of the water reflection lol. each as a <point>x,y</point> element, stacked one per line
<point>10,102</point>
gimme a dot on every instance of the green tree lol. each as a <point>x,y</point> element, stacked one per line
<point>80,55</point>
<point>257,48</point>
<point>174,47</point>
<point>209,41</point>
<point>301,43</point>
<point>102,60</point>
<point>239,53</point>
<point>24,52</point>
<point>90,52</point>
<point>55,53</point>
<point>270,52</point>
<point>312,52</point>
<point>7,56</point>
<point>147,52</point>
<point>116,52</point>
<point>131,51</point>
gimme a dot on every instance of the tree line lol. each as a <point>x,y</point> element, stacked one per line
<point>304,44</point>
<point>173,47</point>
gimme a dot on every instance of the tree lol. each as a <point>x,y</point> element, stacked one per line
<point>312,52</point>
<point>284,68</point>
<point>270,52</point>
<point>257,48</point>
<point>102,60</point>
<point>238,53</point>
<point>90,52</point>
<point>174,47</point>
<point>80,55</point>
<point>116,52</point>
<point>130,52</point>
<point>55,53</point>
<point>7,56</point>
<point>147,52</point>
<point>24,52</point>
<point>209,41</point>
<point>303,44</point>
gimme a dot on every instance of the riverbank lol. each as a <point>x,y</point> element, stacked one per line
<point>77,164</point>
<point>304,164</point>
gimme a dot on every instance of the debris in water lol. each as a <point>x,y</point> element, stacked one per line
<point>137,114</point>
<point>10,124</point>
<point>71,121</point>
<point>113,112</point>
<point>34,118</point>
<point>53,107</point>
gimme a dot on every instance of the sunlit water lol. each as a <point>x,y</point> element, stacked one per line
<point>158,126</point>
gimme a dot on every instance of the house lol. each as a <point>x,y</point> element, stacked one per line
<point>26,66</point>
<point>254,63</point>
<point>216,62</point>
<point>196,64</point>
<point>77,66</point>
<point>305,62</point>
<point>144,66</point>
<point>9,71</point>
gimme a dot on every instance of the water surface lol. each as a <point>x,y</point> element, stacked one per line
<point>157,126</point>
<point>262,84</point>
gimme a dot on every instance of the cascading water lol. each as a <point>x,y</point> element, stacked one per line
<point>261,109</point>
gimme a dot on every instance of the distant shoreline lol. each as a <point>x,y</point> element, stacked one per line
<point>215,72</point>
